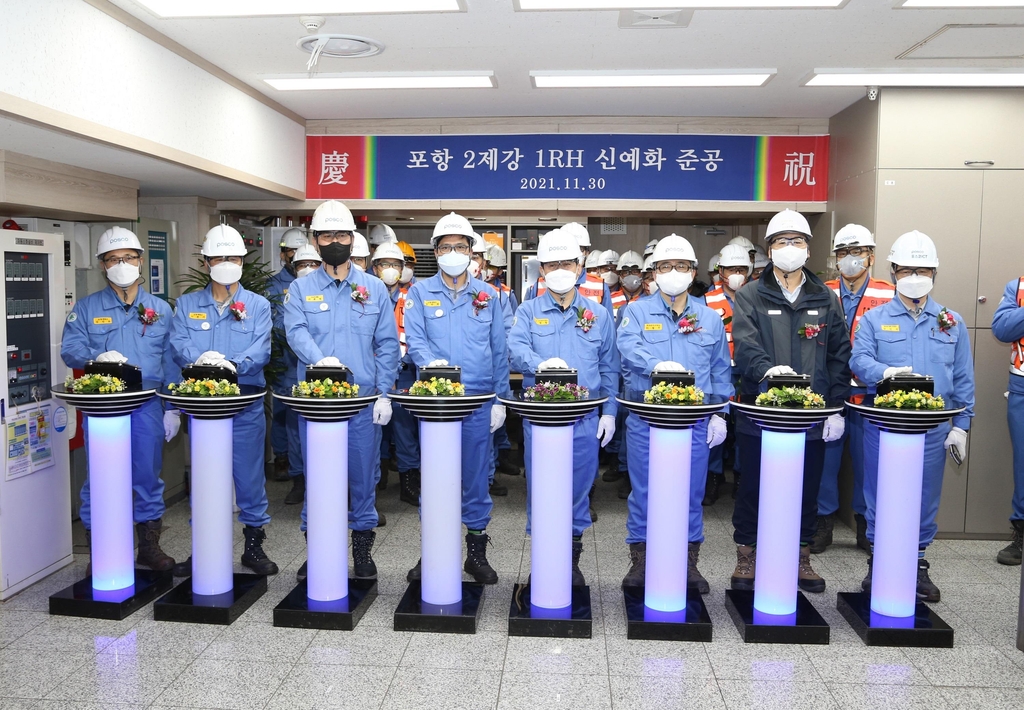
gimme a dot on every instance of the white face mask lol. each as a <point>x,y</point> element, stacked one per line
<point>852,266</point>
<point>674,283</point>
<point>560,281</point>
<point>610,277</point>
<point>631,283</point>
<point>305,271</point>
<point>453,263</point>
<point>716,279</point>
<point>789,258</point>
<point>407,275</point>
<point>390,276</point>
<point>652,287</point>
<point>915,286</point>
<point>735,281</point>
<point>358,266</point>
<point>488,274</point>
<point>474,269</point>
<point>123,275</point>
<point>226,273</point>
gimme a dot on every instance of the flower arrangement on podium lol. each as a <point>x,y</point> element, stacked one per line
<point>683,395</point>
<point>912,399</point>
<point>94,384</point>
<point>325,389</point>
<point>437,387</point>
<point>205,388</point>
<point>791,397</point>
<point>555,392</point>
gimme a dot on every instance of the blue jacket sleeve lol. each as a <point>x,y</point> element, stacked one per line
<point>520,343</point>
<point>75,349</point>
<point>963,377</point>
<point>385,343</point>
<point>721,370</point>
<point>863,361</point>
<point>297,330</point>
<point>254,358</point>
<point>416,341</point>
<point>1008,320</point>
<point>185,353</point>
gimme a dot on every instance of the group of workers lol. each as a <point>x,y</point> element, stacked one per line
<point>618,320</point>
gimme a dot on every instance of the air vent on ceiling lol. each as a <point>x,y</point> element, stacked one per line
<point>654,19</point>
<point>613,225</point>
<point>970,42</point>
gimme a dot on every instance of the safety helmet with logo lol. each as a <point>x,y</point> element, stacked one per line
<point>649,249</point>
<point>332,216</point>
<point>223,240</point>
<point>579,231</point>
<point>388,250</point>
<point>609,256</point>
<point>479,245</point>
<point>496,256</point>
<point>118,238</point>
<point>381,233</point>
<point>743,242</point>
<point>649,263</point>
<point>360,249</point>
<point>760,260</point>
<point>914,249</point>
<point>593,260</point>
<point>452,224</point>
<point>630,258</point>
<point>558,245</point>
<point>713,264</point>
<point>735,255</point>
<point>853,235</point>
<point>407,251</point>
<point>307,253</point>
<point>673,247</point>
<point>786,222</point>
<point>293,238</point>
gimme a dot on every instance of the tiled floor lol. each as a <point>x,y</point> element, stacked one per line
<point>58,662</point>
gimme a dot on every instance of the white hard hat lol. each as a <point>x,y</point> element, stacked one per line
<point>787,221</point>
<point>760,250</point>
<point>117,238</point>
<point>593,260</point>
<point>649,263</point>
<point>388,250</point>
<point>381,233</point>
<point>306,253</point>
<point>479,245</point>
<point>223,240</point>
<point>914,249</point>
<point>743,242</point>
<point>713,263</point>
<point>760,261</point>
<point>609,257</point>
<point>673,247</point>
<point>630,258</point>
<point>451,224</point>
<point>649,249</point>
<point>580,232</point>
<point>558,245</point>
<point>496,256</point>
<point>359,246</point>
<point>332,216</point>
<point>853,235</point>
<point>293,238</point>
<point>735,255</point>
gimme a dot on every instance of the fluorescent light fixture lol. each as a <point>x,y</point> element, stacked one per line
<point>924,77</point>
<point>262,8</point>
<point>412,80</point>
<point>645,80</point>
<point>527,5</point>
<point>970,4</point>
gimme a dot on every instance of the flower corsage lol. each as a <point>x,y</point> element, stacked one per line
<point>360,294</point>
<point>238,310</point>
<point>688,324</point>
<point>148,317</point>
<point>810,330</point>
<point>946,320</point>
<point>585,319</point>
<point>481,299</point>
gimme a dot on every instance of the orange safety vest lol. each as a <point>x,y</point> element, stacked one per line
<point>592,288</point>
<point>618,301</point>
<point>717,301</point>
<point>877,293</point>
<point>1017,351</point>
<point>400,317</point>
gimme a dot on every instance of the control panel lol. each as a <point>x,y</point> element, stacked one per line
<point>27,310</point>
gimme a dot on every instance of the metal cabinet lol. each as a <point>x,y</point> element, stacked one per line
<point>1000,256</point>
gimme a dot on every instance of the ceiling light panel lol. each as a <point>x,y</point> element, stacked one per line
<point>263,8</point>
<point>527,5</point>
<point>970,4</point>
<point>369,81</point>
<point>930,78</point>
<point>649,80</point>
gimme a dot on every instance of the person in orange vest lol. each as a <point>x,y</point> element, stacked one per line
<point>630,285</point>
<point>854,248</point>
<point>590,285</point>
<point>1008,327</point>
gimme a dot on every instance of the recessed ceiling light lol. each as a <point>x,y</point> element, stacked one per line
<point>972,4</point>
<point>622,79</point>
<point>261,8</point>
<point>344,82</point>
<point>672,4</point>
<point>925,77</point>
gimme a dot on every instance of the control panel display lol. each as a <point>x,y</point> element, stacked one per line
<point>28,326</point>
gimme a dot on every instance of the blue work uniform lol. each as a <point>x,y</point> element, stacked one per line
<point>199,327</point>
<point>442,325</point>
<point>284,424</point>
<point>509,304</point>
<point>888,336</point>
<point>543,330</point>
<point>101,322</point>
<point>403,428</point>
<point>323,320</point>
<point>1008,327</point>
<point>649,334</point>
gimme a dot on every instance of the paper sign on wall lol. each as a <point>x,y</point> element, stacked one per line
<point>29,442</point>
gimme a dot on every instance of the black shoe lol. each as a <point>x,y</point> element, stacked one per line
<point>713,489</point>
<point>409,486</point>
<point>182,569</point>
<point>593,514</point>
<point>496,489</point>
<point>298,492</point>
<point>477,565</point>
<point>382,484</point>
<point>926,589</point>
<point>694,579</point>
<point>611,474</point>
<point>735,486</point>
<point>1011,554</point>
<point>625,488</point>
<point>505,464</point>
<point>590,503</point>
<point>301,574</point>
<point>823,535</point>
<point>382,519</point>
<point>362,562</point>
<point>637,565</point>
<point>280,470</point>
<point>865,585</point>
<point>416,573</point>
<point>862,532</point>
<point>577,576</point>
<point>253,556</point>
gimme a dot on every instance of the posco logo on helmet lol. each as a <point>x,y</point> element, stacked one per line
<point>118,240</point>
<point>559,248</point>
<point>224,244</point>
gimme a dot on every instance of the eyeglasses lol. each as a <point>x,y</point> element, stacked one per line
<point>399,265</point>
<point>448,248</point>
<point>567,264</point>
<point>114,260</point>
<point>684,267</point>
<point>852,251</point>
<point>789,241</point>
<point>903,272</point>
<point>329,237</point>
<point>734,270</point>
<point>606,268</point>
<point>629,271</point>
<point>214,260</point>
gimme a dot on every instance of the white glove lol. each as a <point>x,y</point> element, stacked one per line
<point>226,364</point>
<point>111,356</point>
<point>327,362</point>
<point>553,362</point>
<point>605,428</point>
<point>382,411</point>
<point>437,363</point>
<point>779,370</point>
<point>957,441</point>
<point>210,357</point>
<point>172,424</point>
<point>717,430</point>
<point>497,417</point>
<point>834,427</point>
<point>668,366</point>
<point>890,371</point>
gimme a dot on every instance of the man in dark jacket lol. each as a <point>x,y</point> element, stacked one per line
<point>772,337</point>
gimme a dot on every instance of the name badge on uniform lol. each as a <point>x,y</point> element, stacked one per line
<point>315,299</point>
<point>891,328</point>
<point>197,316</point>
<point>431,304</point>
<point>652,326</point>
<point>812,313</point>
<point>774,313</point>
<point>102,321</point>
<point>541,321</point>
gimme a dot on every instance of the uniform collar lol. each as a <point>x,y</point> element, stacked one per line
<point>206,298</point>
<point>548,304</point>
<point>435,284</point>
<point>112,301</point>
<point>667,308</point>
<point>844,291</point>
<point>897,307</point>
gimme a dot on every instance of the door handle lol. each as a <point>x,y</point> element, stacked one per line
<point>979,162</point>
<point>982,299</point>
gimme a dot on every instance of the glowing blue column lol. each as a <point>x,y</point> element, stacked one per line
<point>326,506</point>
<point>551,517</point>
<point>778,522</point>
<point>897,523</point>
<point>212,490</point>
<point>110,485</point>
<point>441,512</point>
<point>668,519</point>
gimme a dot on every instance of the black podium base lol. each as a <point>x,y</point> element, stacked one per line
<point>928,630</point>
<point>455,619</point>
<point>180,605</point>
<point>81,600</point>
<point>574,622</point>
<point>294,611</point>
<point>691,624</point>
<point>808,626</point>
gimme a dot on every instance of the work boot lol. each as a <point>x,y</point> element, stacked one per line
<point>735,484</point>
<point>823,535</point>
<point>382,519</point>
<point>865,585</point>
<point>416,573</point>
<point>637,565</point>
<point>807,579</point>
<point>477,565</point>
<point>1010,555</point>
<point>505,464</point>
<point>577,576</point>
<point>694,579</point>
<point>625,488</point>
<point>713,488</point>
<point>746,564</point>
<point>611,474</point>
<point>926,589</point>
<point>298,492</point>
<point>183,569</point>
<point>281,465</point>
<point>253,556</point>
<point>150,554</point>
<point>862,532</point>
<point>409,486</point>
<point>362,562</point>
<point>496,489</point>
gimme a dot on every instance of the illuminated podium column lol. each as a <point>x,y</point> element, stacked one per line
<point>663,609</point>
<point>115,589</point>
<point>550,605</point>
<point>214,594</point>
<point>776,611</point>
<point>891,614</point>
<point>440,601</point>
